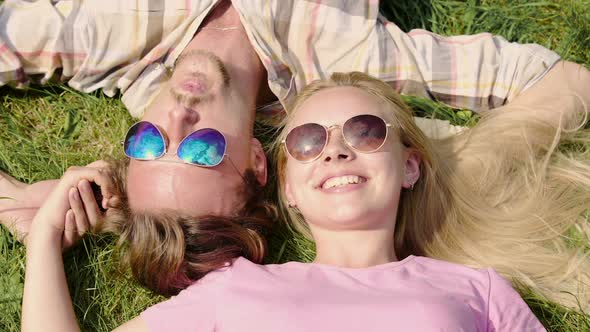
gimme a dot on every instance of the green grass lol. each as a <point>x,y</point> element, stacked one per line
<point>45,130</point>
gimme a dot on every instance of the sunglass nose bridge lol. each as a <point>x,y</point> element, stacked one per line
<point>336,146</point>
<point>334,126</point>
<point>339,134</point>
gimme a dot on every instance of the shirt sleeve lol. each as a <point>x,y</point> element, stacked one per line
<point>26,48</point>
<point>507,311</point>
<point>301,41</point>
<point>112,45</point>
<point>477,72</point>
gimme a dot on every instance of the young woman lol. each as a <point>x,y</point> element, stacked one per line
<point>364,182</point>
<point>499,195</point>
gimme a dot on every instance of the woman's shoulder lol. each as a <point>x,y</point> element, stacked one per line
<point>206,286</point>
<point>442,265</point>
<point>455,271</point>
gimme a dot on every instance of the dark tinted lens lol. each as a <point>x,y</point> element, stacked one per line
<point>306,142</point>
<point>144,141</point>
<point>365,132</point>
<point>204,147</point>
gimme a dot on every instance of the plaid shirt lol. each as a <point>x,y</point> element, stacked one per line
<point>130,45</point>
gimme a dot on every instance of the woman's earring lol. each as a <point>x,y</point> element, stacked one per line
<point>411,185</point>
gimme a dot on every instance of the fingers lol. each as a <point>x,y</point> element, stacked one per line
<point>70,234</point>
<point>103,169</point>
<point>79,214</point>
<point>104,181</point>
<point>83,206</point>
<point>98,164</point>
<point>89,203</point>
<point>82,215</point>
<point>101,176</point>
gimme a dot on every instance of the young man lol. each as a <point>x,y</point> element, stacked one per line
<point>228,59</point>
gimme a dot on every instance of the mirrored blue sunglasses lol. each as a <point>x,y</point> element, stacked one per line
<point>205,147</point>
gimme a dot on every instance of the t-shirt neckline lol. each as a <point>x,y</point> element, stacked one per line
<point>377,267</point>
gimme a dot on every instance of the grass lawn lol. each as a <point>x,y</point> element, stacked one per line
<point>45,130</point>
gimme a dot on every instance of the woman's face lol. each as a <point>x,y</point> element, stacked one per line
<point>345,189</point>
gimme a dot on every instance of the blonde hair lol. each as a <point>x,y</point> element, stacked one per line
<point>500,194</point>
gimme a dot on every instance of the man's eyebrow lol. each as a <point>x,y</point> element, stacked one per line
<point>222,70</point>
<point>220,67</point>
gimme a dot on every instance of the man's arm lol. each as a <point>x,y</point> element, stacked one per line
<point>565,90</point>
<point>135,325</point>
<point>477,72</point>
<point>19,202</point>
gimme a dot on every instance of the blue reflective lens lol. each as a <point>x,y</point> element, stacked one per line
<point>144,141</point>
<point>204,147</point>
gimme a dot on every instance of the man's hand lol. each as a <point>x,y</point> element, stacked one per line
<point>20,203</point>
<point>71,209</point>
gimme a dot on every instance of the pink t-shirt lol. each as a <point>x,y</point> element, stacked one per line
<point>415,294</point>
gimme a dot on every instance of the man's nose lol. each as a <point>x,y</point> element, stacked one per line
<point>337,150</point>
<point>181,122</point>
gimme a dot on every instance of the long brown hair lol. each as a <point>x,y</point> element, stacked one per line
<point>168,251</point>
<point>501,194</point>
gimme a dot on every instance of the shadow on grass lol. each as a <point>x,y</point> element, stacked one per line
<point>33,91</point>
<point>51,89</point>
<point>408,14</point>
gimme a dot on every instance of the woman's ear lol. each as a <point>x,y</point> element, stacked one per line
<point>258,161</point>
<point>412,168</point>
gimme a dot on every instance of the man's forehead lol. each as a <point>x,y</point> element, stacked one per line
<point>153,186</point>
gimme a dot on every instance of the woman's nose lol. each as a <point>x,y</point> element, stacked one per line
<point>337,149</point>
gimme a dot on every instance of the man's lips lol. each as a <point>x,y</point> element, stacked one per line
<point>196,85</point>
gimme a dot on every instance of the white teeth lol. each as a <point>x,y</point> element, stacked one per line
<point>341,181</point>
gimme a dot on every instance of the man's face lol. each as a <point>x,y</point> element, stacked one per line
<point>200,94</point>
